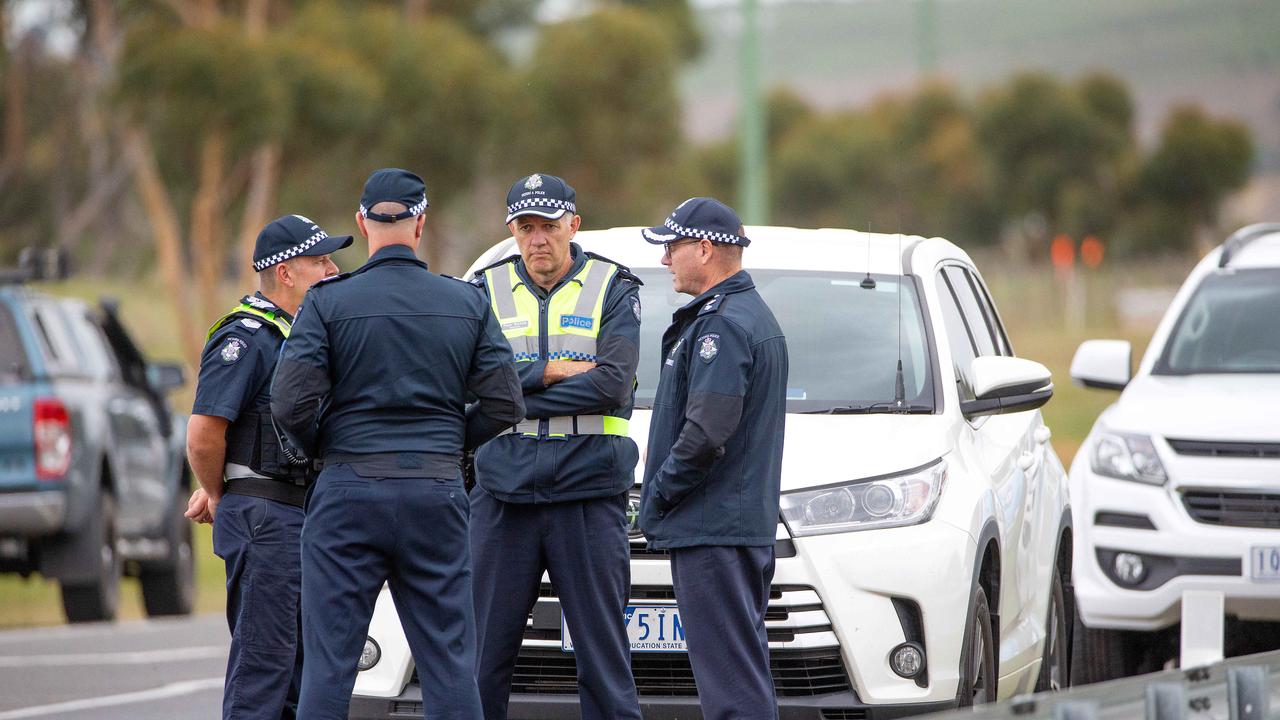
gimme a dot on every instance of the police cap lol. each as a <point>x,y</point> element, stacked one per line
<point>293,236</point>
<point>393,185</point>
<point>702,218</point>
<point>543,195</point>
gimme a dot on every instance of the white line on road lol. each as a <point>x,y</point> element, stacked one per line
<point>136,657</point>
<point>186,687</point>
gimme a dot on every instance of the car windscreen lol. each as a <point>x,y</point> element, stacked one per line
<point>1230,325</point>
<point>842,339</point>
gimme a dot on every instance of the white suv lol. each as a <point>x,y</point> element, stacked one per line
<point>1177,487</point>
<point>924,549</point>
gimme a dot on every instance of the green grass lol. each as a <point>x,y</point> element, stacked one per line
<point>1029,299</point>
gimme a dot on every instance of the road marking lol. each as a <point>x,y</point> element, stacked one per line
<point>136,657</point>
<point>186,687</point>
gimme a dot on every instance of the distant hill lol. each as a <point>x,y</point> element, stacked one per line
<point>1223,54</point>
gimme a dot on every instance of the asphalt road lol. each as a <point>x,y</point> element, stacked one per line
<point>142,670</point>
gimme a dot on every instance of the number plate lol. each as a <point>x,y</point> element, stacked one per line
<point>1264,563</point>
<point>650,628</point>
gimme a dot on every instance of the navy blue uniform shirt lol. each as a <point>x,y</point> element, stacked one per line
<point>383,358</point>
<point>513,468</point>
<point>714,467</point>
<point>237,362</point>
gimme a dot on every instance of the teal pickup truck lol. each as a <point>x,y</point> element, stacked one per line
<point>93,477</point>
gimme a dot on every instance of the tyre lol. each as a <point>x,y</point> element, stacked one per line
<point>1098,655</point>
<point>1055,666</point>
<point>98,598</point>
<point>169,586</point>
<point>978,656</point>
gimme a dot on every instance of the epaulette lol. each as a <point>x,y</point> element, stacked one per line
<point>476,281</point>
<point>712,306</point>
<point>623,271</point>
<point>503,261</point>
<point>332,279</point>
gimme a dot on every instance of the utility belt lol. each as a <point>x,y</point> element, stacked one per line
<point>281,491</point>
<point>565,425</point>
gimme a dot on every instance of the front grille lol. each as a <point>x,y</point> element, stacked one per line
<point>1233,508</point>
<point>796,673</point>
<point>1218,448</point>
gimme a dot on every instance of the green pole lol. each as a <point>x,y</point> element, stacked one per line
<point>753,202</point>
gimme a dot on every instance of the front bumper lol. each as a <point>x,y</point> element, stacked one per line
<point>1188,555</point>
<point>839,706</point>
<point>32,514</point>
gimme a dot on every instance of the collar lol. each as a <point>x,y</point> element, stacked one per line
<point>392,253</point>
<point>262,302</point>
<point>579,259</point>
<point>735,283</point>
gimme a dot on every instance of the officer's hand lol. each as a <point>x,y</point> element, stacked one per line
<point>200,507</point>
<point>558,370</point>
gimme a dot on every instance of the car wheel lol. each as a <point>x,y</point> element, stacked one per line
<point>1098,655</point>
<point>99,598</point>
<point>978,659</point>
<point>1055,667</point>
<point>169,586</point>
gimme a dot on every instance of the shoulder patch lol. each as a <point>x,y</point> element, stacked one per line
<point>635,306</point>
<point>708,347</point>
<point>232,350</point>
<point>712,306</point>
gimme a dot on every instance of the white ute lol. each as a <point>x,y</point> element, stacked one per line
<point>1177,487</point>
<point>924,548</point>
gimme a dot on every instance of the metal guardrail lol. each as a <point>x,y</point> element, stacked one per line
<point>1241,688</point>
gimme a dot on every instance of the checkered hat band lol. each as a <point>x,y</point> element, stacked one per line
<point>542,203</point>
<point>719,237</point>
<point>415,210</point>
<point>294,251</point>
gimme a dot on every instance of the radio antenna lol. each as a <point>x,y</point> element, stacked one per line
<point>899,386</point>
<point>868,282</point>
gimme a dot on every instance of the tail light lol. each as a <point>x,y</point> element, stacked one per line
<point>52,426</point>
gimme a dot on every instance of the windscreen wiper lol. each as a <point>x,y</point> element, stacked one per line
<point>885,408</point>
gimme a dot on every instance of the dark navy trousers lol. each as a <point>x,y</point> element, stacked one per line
<point>258,539</point>
<point>723,593</point>
<point>412,534</point>
<point>583,545</point>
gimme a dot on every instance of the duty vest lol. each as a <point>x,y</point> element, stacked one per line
<point>252,439</point>
<point>571,316</point>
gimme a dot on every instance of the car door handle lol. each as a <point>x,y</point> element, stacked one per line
<point>1043,434</point>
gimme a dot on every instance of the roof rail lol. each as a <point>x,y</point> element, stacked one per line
<point>1242,237</point>
<point>34,264</point>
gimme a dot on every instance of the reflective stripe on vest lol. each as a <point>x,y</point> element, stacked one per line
<point>574,312</point>
<point>280,323</point>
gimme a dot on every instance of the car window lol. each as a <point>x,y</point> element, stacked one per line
<point>989,310</point>
<point>1231,324</point>
<point>842,339</point>
<point>14,366</point>
<point>959,337</point>
<point>95,357</point>
<point>974,316</point>
<point>60,351</point>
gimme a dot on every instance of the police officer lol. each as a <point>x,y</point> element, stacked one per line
<point>257,512</point>
<point>712,476</point>
<point>374,381</point>
<point>552,491</point>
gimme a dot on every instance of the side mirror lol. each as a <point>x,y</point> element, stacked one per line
<point>1007,385</point>
<point>1103,364</point>
<point>166,376</point>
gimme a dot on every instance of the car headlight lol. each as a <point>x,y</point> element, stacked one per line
<point>633,514</point>
<point>906,499</point>
<point>1127,457</point>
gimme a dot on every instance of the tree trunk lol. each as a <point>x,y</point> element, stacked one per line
<point>15,109</point>
<point>208,250</point>
<point>164,226</point>
<point>264,180</point>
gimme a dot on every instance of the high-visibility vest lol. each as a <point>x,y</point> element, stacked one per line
<point>243,308</point>
<point>572,316</point>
